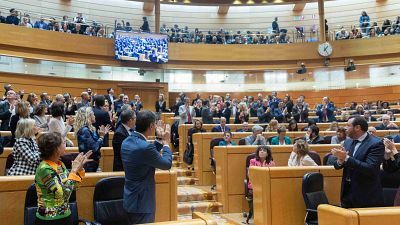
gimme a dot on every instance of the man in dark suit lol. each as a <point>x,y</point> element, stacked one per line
<point>13,17</point>
<point>128,121</point>
<point>368,117</point>
<point>226,112</point>
<point>110,97</point>
<point>102,117</point>
<point>245,128</point>
<point>325,111</point>
<point>300,112</point>
<point>206,114</point>
<point>360,159</point>
<point>6,108</point>
<point>386,124</point>
<point>140,159</point>
<point>221,127</point>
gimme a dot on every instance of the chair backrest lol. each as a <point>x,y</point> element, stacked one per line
<point>31,206</point>
<point>214,142</point>
<point>242,142</point>
<point>9,163</point>
<point>389,195</point>
<point>313,190</point>
<point>327,139</point>
<point>325,159</point>
<point>248,158</point>
<point>315,156</point>
<point>108,201</point>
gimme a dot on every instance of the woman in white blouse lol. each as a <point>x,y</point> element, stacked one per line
<point>299,155</point>
<point>56,123</point>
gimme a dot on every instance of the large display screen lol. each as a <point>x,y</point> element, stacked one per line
<point>141,47</point>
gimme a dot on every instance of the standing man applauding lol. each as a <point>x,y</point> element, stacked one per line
<point>360,158</point>
<point>140,159</point>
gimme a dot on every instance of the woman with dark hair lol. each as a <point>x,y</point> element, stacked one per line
<point>197,128</point>
<point>33,101</point>
<point>227,139</point>
<point>293,126</point>
<point>263,158</point>
<point>340,136</point>
<point>69,105</point>
<point>281,139</point>
<point>54,183</point>
<point>56,123</point>
<point>299,155</point>
<point>40,117</point>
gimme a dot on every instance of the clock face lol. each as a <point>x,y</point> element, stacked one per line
<point>325,49</point>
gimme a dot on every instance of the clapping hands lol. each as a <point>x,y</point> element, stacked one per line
<point>163,131</point>
<point>80,160</point>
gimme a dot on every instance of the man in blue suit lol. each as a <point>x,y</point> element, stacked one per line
<point>140,159</point>
<point>222,126</point>
<point>360,159</point>
<point>325,111</point>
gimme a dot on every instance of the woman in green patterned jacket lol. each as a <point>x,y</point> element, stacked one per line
<point>54,183</point>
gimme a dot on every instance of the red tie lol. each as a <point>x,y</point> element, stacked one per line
<point>189,119</point>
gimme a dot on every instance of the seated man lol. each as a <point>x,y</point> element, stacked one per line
<point>313,137</point>
<point>386,124</point>
<point>245,128</point>
<point>368,117</point>
<point>372,130</point>
<point>391,116</point>
<point>221,127</point>
<point>256,138</point>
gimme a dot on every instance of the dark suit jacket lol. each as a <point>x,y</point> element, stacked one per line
<point>140,159</point>
<point>109,100</point>
<point>5,115</point>
<point>383,127</point>
<point>363,169</point>
<point>206,115</point>
<point>219,128</point>
<point>396,139</point>
<point>102,118</point>
<point>296,112</point>
<point>163,108</point>
<point>372,119</point>
<point>330,108</point>
<point>120,135</point>
<point>227,114</point>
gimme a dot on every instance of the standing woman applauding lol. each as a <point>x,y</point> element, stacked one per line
<point>54,184</point>
<point>88,138</point>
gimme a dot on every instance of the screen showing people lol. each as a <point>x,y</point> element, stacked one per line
<point>141,47</point>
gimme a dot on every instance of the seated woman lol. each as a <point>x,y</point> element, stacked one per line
<point>272,126</point>
<point>25,151</point>
<point>340,136</point>
<point>263,158</point>
<point>21,111</point>
<point>88,138</point>
<point>227,139</point>
<point>197,128</point>
<point>54,183</point>
<point>299,155</point>
<point>293,125</point>
<point>281,139</point>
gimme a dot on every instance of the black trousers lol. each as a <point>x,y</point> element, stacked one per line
<point>63,221</point>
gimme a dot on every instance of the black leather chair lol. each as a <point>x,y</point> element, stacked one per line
<point>31,208</point>
<point>325,159</point>
<point>68,158</point>
<point>327,139</point>
<point>242,142</point>
<point>314,195</point>
<point>108,202</point>
<point>315,156</point>
<point>247,193</point>
<point>9,163</point>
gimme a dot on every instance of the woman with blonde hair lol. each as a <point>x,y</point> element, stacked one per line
<point>242,114</point>
<point>333,126</point>
<point>299,155</point>
<point>25,151</point>
<point>21,111</point>
<point>273,126</point>
<point>88,138</point>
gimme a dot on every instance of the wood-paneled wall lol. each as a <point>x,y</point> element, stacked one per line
<point>58,85</point>
<point>339,97</point>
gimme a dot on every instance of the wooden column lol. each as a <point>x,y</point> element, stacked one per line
<point>321,12</point>
<point>157,15</point>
